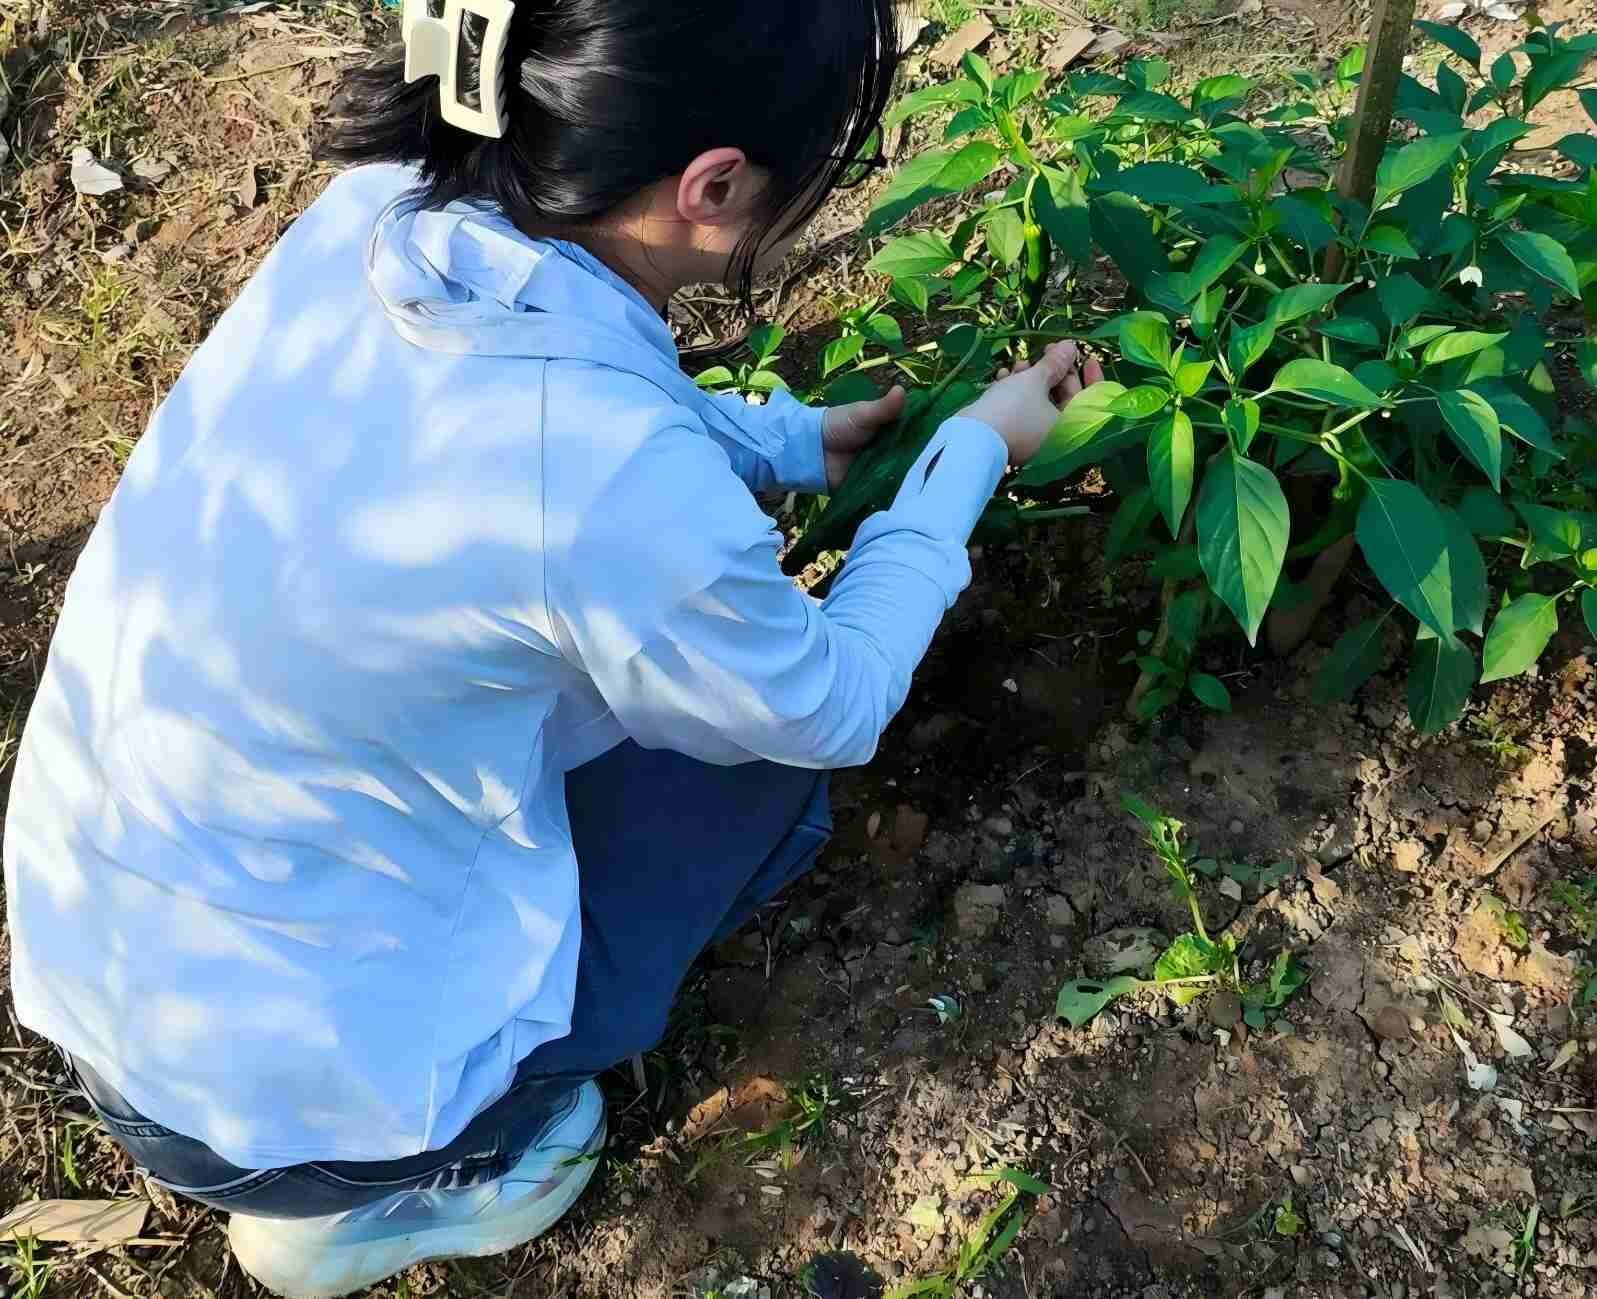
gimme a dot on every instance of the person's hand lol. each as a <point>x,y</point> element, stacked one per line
<point>848,430</point>
<point>1023,405</point>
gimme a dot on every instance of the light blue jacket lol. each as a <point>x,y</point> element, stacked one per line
<point>431,518</point>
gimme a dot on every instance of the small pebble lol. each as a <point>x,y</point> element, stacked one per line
<point>1236,826</point>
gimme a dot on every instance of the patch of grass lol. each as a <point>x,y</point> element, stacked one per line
<point>111,115</point>
<point>986,1244</point>
<point>30,1272</point>
<point>12,714</point>
<point>815,1102</point>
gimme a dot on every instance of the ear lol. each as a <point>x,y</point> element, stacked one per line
<point>718,188</point>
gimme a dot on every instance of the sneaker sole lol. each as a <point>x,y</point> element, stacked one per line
<point>280,1265</point>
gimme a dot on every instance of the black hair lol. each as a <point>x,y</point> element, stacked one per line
<point>609,96</point>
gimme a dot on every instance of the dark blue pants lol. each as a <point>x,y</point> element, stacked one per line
<point>673,854</point>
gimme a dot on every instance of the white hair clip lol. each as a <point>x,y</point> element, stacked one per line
<point>432,49</point>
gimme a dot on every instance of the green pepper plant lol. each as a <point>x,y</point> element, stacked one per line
<point>1258,417</point>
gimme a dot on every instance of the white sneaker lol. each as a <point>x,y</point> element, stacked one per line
<point>320,1258</point>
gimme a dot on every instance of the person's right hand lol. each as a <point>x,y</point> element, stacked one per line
<point>1023,405</point>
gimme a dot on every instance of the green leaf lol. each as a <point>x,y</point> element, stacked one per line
<point>840,351</point>
<point>1140,402</point>
<point>1006,236</point>
<point>1557,533</point>
<point>1503,71</point>
<point>1588,101</point>
<point>1123,230</point>
<point>714,377</point>
<point>1353,660</point>
<point>1474,426</point>
<point>1189,957</point>
<point>884,331</point>
<point>1151,106</point>
<point>1190,375</point>
<point>1458,41</point>
<point>1485,514</point>
<point>1330,383</point>
<point>1018,1178</point>
<point>912,293</point>
<point>1246,346</point>
<point>978,70</point>
<point>1210,691</point>
<point>1351,329</point>
<point>1243,524</point>
<point>1586,360</point>
<point>1171,456</point>
<point>1588,610</point>
<point>1518,636</point>
<point>1081,418</point>
<point>765,381</point>
<point>1060,205</point>
<point>1467,569</point>
<point>922,253</point>
<point>853,386</point>
<point>1579,147</point>
<point>1081,999</point>
<point>1389,241</point>
<point>1241,418</point>
<point>927,176</point>
<point>1224,86</point>
<point>1131,520</point>
<point>1178,562</point>
<point>1543,256</point>
<point>1460,342</point>
<point>1405,545</point>
<point>1402,297</point>
<point>1413,164</point>
<point>1548,73</point>
<point>1145,340</point>
<point>948,92</point>
<point>1303,299</point>
<point>1165,184</point>
<point>1441,673</point>
<point>765,339</point>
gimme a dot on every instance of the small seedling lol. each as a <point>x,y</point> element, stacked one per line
<point>1493,738</point>
<point>987,1242</point>
<point>1166,661</point>
<point>1194,962</point>
<point>1287,1222</point>
<point>1525,1243</point>
<point>1510,922</point>
<point>1579,897</point>
<point>752,376</point>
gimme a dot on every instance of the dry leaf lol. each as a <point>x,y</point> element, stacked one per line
<point>1068,48</point>
<point>1107,43</point>
<point>971,36</point>
<point>910,27</point>
<point>249,189</point>
<point>1515,1045</point>
<point>103,1222</point>
<point>1566,1053</point>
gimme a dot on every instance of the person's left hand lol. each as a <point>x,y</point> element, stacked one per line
<point>848,430</point>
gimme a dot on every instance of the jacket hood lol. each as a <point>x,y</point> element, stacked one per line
<point>463,279</point>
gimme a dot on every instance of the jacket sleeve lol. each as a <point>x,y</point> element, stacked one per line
<point>799,465</point>
<point>700,644</point>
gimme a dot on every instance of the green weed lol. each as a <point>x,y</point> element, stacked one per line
<point>986,1243</point>
<point>1512,924</point>
<point>31,1272</point>
<point>815,1103</point>
<point>1493,738</point>
<point>1579,898</point>
<point>1195,962</point>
